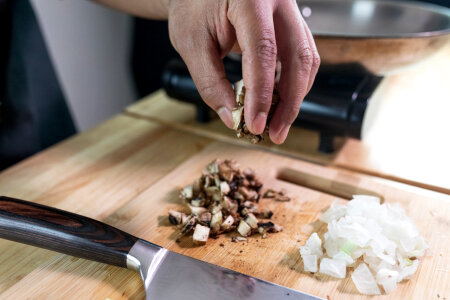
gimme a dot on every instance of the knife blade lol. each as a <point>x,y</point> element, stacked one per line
<point>166,275</point>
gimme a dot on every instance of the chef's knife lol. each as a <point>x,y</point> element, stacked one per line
<point>166,275</point>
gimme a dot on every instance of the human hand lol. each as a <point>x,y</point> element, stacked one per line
<point>204,31</point>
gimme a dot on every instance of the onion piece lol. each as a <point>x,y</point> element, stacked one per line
<point>313,246</point>
<point>344,257</point>
<point>333,267</point>
<point>364,281</point>
<point>408,271</point>
<point>310,263</point>
<point>381,235</point>
<point>335,212</point>
<point>388,279</point>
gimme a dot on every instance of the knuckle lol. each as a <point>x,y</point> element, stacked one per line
<point>266,48</point>
<point>316,60</point>
<point>266,99</point>
<point>305,54</point>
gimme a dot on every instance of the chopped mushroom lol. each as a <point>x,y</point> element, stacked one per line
<point>175,217</point>
<point>238,114</point>
<point>251,207</point>
<point>216,221</point>
<point>226,172</point>
<point>269,227</point>
<point>269,194</point>
<point>276,228</point>
<point>201,234</point>
<point>213,192</point>
<point>252,221</point>
<point>213,167</point>
<point>230,206</point>
<point>249,173</point>
<point>249,194</point>
<point>264,214</point>
<point>224,199</point>
<point>244,229</point>
<point>279,196</point>
<point>216,208</point>
<point>236,239</point>
<point>196,211</point>
<point>205,218</point>
<point>224,188</point>
<point>187,192</point>
<point>189,225</point>
<point>184,219</point>
<point>228,223</point>
<point>283,199</point>
<point>198,202</point>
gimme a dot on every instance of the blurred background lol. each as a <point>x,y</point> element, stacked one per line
<point>88,62</point>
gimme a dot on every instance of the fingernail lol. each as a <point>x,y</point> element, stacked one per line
<point>226,117</point>
<point>282,134</point>
<point>259,123</point>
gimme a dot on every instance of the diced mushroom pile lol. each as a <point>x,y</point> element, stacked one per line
<point>225,199</point>
<point>238,114</point>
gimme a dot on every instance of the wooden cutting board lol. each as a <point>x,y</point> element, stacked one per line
<point>275,259</point>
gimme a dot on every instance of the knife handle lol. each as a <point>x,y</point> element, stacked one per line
<point>58,230</point>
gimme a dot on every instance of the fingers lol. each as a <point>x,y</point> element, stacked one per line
<point>208,73</point>
<point>202,35</point>
<point>253,23</point>
<point>299,60</point>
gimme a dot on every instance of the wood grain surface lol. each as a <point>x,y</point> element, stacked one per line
<point>276,258</point>
<point>92,174</point>
<point>132,185</point>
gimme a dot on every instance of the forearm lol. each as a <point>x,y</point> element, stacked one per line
<point>149,9</point>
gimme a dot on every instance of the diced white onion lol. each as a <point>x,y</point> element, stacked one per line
<point>310,263</point>
<point>335,211</point>
<point>344,257</point>
<point>313,246</point>
<point>333,267</point>
<point>388,279</point>
<point>408,271</point>
<point>380,235</point>
<point>364,281</point>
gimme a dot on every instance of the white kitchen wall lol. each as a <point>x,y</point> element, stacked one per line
<point>90,49</point>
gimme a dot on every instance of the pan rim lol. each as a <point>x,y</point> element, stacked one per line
<point>428,7</point>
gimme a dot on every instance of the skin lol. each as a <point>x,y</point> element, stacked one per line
<point>205,31</point>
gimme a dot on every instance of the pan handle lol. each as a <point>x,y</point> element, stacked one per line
<point>64,232</point>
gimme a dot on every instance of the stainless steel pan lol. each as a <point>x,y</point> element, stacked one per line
<point>381,36</point>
